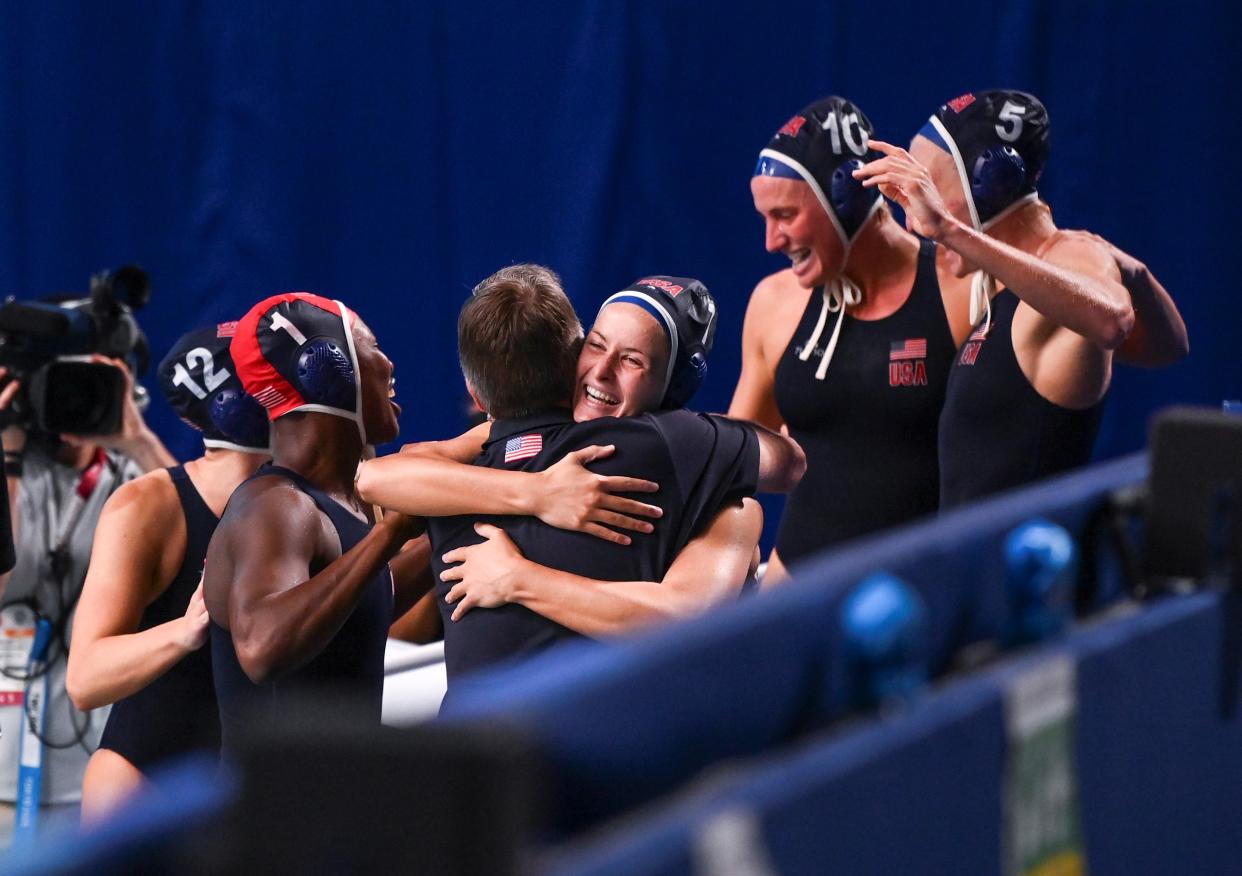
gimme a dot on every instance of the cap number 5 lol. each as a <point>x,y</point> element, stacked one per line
<point>1010,112</point>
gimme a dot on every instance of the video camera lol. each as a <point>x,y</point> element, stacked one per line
<point>47,347</point>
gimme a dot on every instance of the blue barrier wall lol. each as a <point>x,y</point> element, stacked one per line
<point>622,724</point>
<point>1158,744</point>
<point>394,154</point>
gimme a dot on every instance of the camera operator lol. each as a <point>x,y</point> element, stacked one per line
<point>57,486</point>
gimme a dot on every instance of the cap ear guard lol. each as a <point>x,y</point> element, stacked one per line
<point>239,417</point>
<point>697,325</point>
<point>688,377</point>
<point>325,374</point>
<point>851,200</point>
<point>997,179</point>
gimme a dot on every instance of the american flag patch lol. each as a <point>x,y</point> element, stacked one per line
<point>981,333</point>
<point>523,448</point>
<point>270,397</point>
<point>910,348</point>
<point>226,329</point>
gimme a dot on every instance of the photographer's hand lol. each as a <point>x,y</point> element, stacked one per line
<point>14,439</point>
<point>135,438</point>
<point>14,436</point>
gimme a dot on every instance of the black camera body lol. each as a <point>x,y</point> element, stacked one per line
<point>47,346</point>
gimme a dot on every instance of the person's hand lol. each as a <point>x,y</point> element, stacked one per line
<point>14,436</point>
<point>571,497</point>
<point>484,575</point>
<point>906,182</point>
<point>195,623</point>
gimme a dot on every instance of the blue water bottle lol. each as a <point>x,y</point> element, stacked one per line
<point>884,625</point>
<point>1040,568</point>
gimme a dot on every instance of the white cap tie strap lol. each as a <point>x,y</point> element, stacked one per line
<point>838,295</point>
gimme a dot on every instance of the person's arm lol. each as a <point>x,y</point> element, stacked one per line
<point>1159,337</point>
<point>1090,304</point>
<point>565,495</point>
<point>710,569</point>
<point>421,624</point>
<point>412,577</point>
<point>130,566</point>
<point>279,615</point>
<point>782,462</point>
<point>754,398</point>
<point>463,448</point>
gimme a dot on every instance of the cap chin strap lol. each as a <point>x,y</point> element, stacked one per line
<point>982,286</point>
<point>841,291</point>
<point>218,444</point>
<point>353,360</point>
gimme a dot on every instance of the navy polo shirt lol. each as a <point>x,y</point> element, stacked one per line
<point>699,461</point>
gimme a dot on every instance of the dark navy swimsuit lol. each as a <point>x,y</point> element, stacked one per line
<point>869,426</point>
<point>176,713</point>
<point>351,667</point>
<point>996,431</point>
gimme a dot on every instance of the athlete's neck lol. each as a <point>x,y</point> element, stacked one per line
<point>1026,228</point>
<point>228,464</point>
<point>882,262</point>
<point>323,448</point>
<point>882,253</point>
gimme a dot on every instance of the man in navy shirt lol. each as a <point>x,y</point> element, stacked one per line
<point>519,341</point>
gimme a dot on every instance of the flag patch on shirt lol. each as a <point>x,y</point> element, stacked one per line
<point>910,348</point>
<point>906,362</point>
<point>523,447</point>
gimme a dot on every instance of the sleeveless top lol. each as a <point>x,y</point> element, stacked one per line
<point>996,431</point>
<point>869,426</point>
<point>176,713</point>
<point>350,668</point>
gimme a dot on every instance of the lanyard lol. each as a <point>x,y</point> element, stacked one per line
<point>72,513</point>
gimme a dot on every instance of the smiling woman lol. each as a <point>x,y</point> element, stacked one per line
<point>623,365</point>
<point>861,295</point>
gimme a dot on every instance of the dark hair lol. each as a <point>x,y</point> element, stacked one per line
<point>518,338</point>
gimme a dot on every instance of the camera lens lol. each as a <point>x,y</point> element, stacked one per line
<point>80,398</point>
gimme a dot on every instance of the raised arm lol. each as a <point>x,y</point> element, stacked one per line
<point>1092,304</point>
<point>139,541</point>
<point>258,583</point>
<point>566,495</point>
<point>710,569</point>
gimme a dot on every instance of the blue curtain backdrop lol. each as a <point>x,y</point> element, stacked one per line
<point>392,154</point>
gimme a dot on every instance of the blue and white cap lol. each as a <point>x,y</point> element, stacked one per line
<point>686,311</point>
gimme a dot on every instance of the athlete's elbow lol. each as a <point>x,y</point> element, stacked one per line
<point>259,658</point>
<point>366,483</point>
<point>84,695</point>
<point>790,473</point>
<point>1116,328</point>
